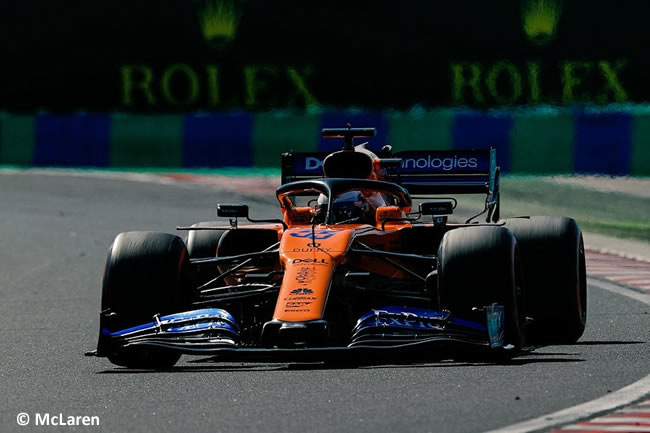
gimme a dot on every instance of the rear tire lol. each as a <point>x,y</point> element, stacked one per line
<point>243,241</point>
<point>145,275</point>
<point>203,243</point>
<point>478,266</point>
<point>553,257</point>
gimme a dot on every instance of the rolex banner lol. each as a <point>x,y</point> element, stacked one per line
<point>183,55</point>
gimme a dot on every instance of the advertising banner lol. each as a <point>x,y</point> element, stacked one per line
<point>214,55</point>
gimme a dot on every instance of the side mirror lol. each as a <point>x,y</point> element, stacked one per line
<point>384,212</point>
<point>230,210</point>
<point>438,207</point>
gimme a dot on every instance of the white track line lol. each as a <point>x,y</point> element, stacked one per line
<point>622,397</point>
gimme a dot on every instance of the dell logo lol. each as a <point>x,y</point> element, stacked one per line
<point>312,163</point>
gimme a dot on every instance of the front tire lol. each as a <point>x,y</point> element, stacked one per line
<point>478,266</point>
<point>145,275</point>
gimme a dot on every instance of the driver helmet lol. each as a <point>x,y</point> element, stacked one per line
<point>351,206</point>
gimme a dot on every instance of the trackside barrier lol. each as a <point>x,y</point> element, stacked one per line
<point>614,140</point>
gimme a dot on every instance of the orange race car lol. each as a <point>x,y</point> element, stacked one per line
<point>351,269</point>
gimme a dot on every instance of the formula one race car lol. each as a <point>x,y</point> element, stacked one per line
<point>351,269</point>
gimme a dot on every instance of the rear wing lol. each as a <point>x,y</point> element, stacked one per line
<point>422,172</point>
<point>302,166</point>
<point>425,172</point>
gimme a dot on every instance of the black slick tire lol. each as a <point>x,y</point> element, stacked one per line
<point>145,275</point>
<point>203,243</point>
<point>553,258</point>
<point>243,240</point>
<point>478,266</point>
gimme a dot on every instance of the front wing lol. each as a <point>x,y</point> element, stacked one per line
<point>380,332</point>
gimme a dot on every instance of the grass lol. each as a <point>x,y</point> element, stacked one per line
<point>610,213</point>
<point>225,171</point>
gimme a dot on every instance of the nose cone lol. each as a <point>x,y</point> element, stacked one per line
<point>312,333</point>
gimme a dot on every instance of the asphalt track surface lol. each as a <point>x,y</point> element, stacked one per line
<point>55,231</point>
